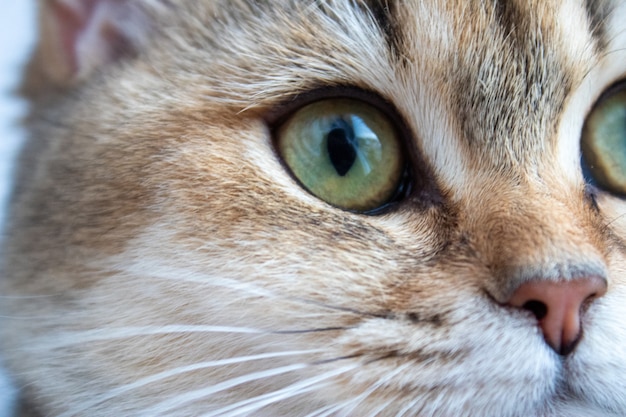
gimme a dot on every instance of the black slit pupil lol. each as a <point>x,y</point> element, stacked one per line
<point>341,148</point>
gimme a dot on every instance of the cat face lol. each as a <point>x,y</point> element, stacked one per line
<point>180,244</point>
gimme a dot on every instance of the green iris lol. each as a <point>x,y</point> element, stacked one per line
<point>345,152</point>
<point>604,142</point>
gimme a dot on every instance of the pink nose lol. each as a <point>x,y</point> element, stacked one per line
<point>558,307</point>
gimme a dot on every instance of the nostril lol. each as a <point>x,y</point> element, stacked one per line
<point>539,309</point>
<point>558,307</point>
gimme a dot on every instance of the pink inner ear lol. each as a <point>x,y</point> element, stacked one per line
<point>89,32</point>
<point>69,22</point>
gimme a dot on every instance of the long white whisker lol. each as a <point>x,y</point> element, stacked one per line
<point>192,396</point>
<point>323,411</point>
<point>347,406</point>
<point>27,297</point>
<point>160,271</point>
<point>298,388</point>
<point>25,317</point>
<point>166,272</point>
<point>408,407</point>
<point>184,369</point>
<point>73,338</point>
<point>377,411</point>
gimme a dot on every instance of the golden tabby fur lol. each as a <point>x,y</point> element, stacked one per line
<point>160,260</point>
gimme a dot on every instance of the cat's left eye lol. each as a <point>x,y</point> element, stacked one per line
<point>603,142</point>
<point>344,151</point>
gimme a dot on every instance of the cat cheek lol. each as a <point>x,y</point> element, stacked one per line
<point>80,36</point>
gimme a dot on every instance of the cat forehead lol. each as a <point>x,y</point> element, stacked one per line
<point>452,34</point>
<point>492,72</point>
<point>478,51</point>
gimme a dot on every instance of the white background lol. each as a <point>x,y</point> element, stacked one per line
<point>16,39</point>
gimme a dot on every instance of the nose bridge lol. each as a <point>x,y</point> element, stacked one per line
<point>526,235</point>
<point>543,257</point>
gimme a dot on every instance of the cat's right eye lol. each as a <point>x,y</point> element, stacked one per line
<point>344,151</point>
<point>603,141</point>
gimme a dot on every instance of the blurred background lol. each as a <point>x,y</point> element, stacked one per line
<point>16,39</point>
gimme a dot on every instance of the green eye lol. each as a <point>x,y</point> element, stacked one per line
<point>604,142</point>
<point>345,152</point>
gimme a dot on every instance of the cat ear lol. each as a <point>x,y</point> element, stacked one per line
<point>79,36</point>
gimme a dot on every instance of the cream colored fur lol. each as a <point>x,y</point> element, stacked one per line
<point>161,261</point>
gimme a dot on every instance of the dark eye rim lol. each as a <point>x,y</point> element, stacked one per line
<point>283,111</point>
<point>616,87</point>
<point>286,108</point>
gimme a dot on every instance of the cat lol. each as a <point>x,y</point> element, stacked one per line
<point>320,208</point>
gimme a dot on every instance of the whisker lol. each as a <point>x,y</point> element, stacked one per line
<point>180,274</point>
<point>324,315</point>
<point>164,272</point>
<point>337,359</point>
<point>85,336</point>
<point>348,406</point>
<point>290,391</point>
<point>27,297</point>
<point>408,407</point>
<point>342,309</point>
<point>264,401</point>
<point>24,317</point>
<point>323,411</point>
<point>320,330</point>
<point>73,338</point>
<point>621,216</point>
<point>184,369</point>
<point>378,410</point>
<point>198,394</point>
